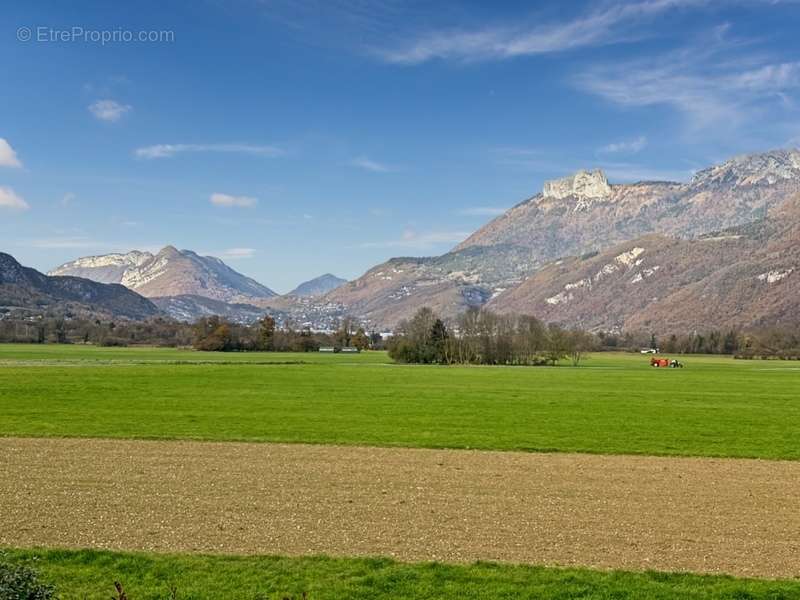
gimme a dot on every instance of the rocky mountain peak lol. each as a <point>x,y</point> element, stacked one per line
<point>582,185</point>
<point>767,168</point>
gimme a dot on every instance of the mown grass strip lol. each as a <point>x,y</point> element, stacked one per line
<point>85,574</point>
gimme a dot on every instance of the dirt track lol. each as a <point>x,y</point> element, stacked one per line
<point>734,516</point>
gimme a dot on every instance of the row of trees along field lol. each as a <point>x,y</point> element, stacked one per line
<point>477,336</point>
<point>762,342</point>
<point>212,333</point>
<point>480,336</point>
<point>57,329</point>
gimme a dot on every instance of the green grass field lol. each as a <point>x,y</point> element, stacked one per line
<point>89,575</point>
<point>612,403</point>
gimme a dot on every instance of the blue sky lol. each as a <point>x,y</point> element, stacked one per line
<point>297,138</point>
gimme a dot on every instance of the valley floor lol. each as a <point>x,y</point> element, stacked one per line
<point>111,451</point>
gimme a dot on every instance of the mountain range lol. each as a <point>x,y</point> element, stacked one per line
<point>653,255</point>
<point>187,286</point>
<point>572,216</point>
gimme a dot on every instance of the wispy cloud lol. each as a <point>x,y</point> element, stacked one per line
<point>362,162</point>
<point>109,111</point>
<point>613,23</point>
<point>626,146</point>
<point>170,150</point>
<point>8,157</point>
<point>68,199</point>
<point>9,200</point>
<point>421,241</point>
<point>719,84</point>
<point>228,201</point>
<point>482,211</point>
<point>236,253</point>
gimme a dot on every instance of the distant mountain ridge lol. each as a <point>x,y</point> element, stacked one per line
<point>170,272</point>
<point>318,286</point>
<point>572,216</point>
<point>593,213</point>
<point>511,261</point>
<point>23,287</point>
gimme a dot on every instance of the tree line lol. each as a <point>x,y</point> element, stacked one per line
<point>208,334</point>
<point>747,343</point>
<point>58,329</point>
<point>476,337</point>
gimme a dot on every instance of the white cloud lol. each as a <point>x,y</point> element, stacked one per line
<point>226,200</point>
<point>8,157</point>
<point>234,253</point>
<point>482,211</point>
<point>628,146</point>
<point>613,23</point>
<point>68,198</point>
<point>421,241</point>
<point>170,150</point>
<point>362,162</point>
<point>9,200</point>
<point>109,110</point>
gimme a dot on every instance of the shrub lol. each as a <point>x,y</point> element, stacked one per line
<point>22,583</point>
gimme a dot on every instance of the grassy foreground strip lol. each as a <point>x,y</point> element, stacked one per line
<point>613,404</point>
<point>84,574</point>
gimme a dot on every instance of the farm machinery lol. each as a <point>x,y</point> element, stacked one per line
<point>665,362</point>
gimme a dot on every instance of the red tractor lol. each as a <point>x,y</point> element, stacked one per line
<point>665,362</point>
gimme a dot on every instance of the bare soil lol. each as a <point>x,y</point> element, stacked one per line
<point>740,517</point>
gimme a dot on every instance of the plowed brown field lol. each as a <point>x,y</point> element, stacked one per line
<point>691,514</point>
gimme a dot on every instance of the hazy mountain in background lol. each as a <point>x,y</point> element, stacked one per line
<point>22,287</point>
<point>318,286</point>
<point>171,272</point>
